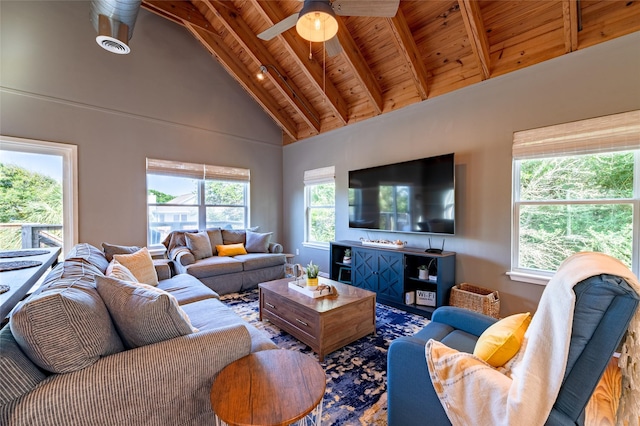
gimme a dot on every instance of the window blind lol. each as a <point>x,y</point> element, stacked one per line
<point>618,132</point>
<point>196,171</point>
<point>321,175</point>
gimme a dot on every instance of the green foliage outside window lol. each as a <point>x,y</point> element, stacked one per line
<point>322,220</point>
<point>572,204</point>
<point>27,197</point>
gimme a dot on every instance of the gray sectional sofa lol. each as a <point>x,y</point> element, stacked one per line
<point>263,261</point>
<point>64,358</point>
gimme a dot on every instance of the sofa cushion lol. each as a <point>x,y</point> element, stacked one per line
<point>501,341</point>
<point>69,271</point>
<point>90,254</point>
<point>187,289</point>
<point>140,264</point>
<point>214,265</point>
<point>252,261</point>
<point>257,242</point>
<point>119,271</point>
<point>212,313</point>
<point>231,249</point>
<point>199,245</point>
<point>65,329</point>
<point>19,374</point>
<point>111,249</point>
<point>143,314</point>
<point>215,239</point>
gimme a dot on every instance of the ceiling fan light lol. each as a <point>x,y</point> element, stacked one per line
<point>317,21</point>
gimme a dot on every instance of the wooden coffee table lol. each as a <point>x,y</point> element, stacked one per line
<point>269,388</point>
<point>326,323</point>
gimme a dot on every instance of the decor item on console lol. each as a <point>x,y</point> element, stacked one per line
<point>68,346</point>
<point>347,256</point>
<point>312,275</point>
<point>226,260</point>
<point>423,272</point>
<point>397,244</point>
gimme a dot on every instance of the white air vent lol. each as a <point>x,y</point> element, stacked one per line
<point>114,21</point>
<point>113,45</point>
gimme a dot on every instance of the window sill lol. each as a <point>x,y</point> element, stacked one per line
<point>319,246</point>
<point>539,279</point>
<point>157,250</point>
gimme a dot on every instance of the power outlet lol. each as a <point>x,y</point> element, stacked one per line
<point>297,252</point>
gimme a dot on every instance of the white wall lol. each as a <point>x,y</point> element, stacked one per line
<point>167,99</point>
<point>477,123</point>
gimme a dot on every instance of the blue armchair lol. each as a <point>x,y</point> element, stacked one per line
<point>604,306</point>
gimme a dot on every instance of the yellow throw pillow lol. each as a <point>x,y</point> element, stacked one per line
<point>230,249</point>
<point>140,264</point>
<point>501,341</point>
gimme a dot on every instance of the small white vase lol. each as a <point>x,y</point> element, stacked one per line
<point>423,274</point>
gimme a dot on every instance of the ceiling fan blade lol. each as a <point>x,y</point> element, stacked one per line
<point>333,46</point>
<point>377,8</point>
<point>279,28</point>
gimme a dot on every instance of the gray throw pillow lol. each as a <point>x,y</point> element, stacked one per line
<point>65,329</point>
<point>199,244</point>
<point>111,249</point>
<point>143,314</point>
<point>236,236</point>
<point>257,243</point>
<point>215,238</point>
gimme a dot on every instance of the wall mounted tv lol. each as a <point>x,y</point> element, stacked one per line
<point>412,196</point>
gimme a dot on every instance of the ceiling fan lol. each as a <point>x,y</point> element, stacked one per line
<point>316,20</point>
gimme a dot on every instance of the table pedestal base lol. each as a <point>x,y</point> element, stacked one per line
<point>314,418</point>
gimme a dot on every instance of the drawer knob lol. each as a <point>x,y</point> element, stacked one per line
<point>302,322</point>
<point>269,305</point>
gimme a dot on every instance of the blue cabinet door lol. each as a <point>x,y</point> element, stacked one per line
<point>390,276</point>
<point>364,268</point>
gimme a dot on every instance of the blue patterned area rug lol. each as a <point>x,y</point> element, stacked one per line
<point>356,374</point>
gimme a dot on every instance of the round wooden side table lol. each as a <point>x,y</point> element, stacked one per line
<point>269,388</point>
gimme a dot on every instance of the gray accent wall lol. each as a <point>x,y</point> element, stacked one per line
<point>477,123</point>
<point>168,99</point>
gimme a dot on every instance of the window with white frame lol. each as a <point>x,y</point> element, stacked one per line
<point>576,187</point>
<point>320,202</point>
<point>194,196</point>
<point>39,194</point>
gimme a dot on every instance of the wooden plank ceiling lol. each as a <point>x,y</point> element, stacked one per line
<point>429,48</point>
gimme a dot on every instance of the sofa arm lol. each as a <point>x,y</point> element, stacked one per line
<point>164,268</point>
<point>164,383</point>
<point>463,319</point>
<point>275,248</point>
<point>411,399</point>
<point>182,256</point>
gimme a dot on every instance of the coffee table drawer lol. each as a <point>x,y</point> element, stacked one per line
<point>293,314</point>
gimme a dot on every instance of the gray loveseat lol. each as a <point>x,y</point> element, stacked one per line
<point>63,360</point>
<point>263,261</point>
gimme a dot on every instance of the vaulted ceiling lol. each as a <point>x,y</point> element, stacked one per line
<point>430,47</point>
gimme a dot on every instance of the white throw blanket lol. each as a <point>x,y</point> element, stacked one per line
<point>473,393</point>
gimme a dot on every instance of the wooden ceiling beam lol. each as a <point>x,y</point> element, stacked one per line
<point>258,52</point>
<point>298,49</point>
<point>477,35</point>
<point>570,24</point>
<point>247,80</point>
<point>351,54</point>
<point>407,46</point>
<point>179,11</point>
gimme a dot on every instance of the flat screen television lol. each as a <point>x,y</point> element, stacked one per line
<point>412,196</point>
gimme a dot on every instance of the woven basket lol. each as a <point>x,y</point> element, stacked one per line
<point>476,299</point>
